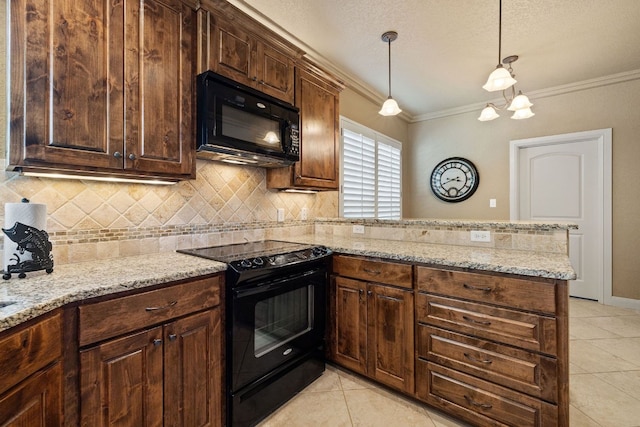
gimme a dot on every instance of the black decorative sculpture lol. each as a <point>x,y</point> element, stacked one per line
<point>29,239</point>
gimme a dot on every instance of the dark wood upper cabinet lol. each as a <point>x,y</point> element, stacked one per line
<point>234,46</point>
<point>103,87</point>
<point>318,97</point>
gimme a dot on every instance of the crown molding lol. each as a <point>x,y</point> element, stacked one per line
<point>361,88</point>
<point>351,81</point>
<point>536,94</point>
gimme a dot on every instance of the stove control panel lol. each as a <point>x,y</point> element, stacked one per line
<point>278,260</point>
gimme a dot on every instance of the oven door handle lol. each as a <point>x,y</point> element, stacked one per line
<point>273,285</point>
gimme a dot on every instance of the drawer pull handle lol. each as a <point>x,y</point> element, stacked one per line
<point>473,359</point>
<point>478,404</point>
<point>173,337</point>
<point>366,270</point>
<point>475,288</point>
<point>478,322</point>
<point>157,342</point>
<point>164,307</point>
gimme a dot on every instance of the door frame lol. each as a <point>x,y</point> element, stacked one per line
<point>604,139</point>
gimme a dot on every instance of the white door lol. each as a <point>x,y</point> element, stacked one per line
<point>561,178</point>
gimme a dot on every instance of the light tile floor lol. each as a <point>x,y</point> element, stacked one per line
<point>604,354</point>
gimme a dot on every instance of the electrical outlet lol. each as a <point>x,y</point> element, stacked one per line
<point>280,214</point>
<point>358,229</point>
<point>480,236</point>
<point>304,214</point>
<point>492,203</point>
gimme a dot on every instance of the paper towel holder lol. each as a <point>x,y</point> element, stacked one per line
<point>29,239</point>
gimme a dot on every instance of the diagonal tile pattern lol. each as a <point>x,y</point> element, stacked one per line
<point>220,194</point>
<point>604,383</point>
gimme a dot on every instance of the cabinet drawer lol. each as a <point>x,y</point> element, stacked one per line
<point>371,270</point>
<point>26,351</point>
<point>506,291</point>
<point>114,317</point>
<point>479,401</point>
<point>526,330</point>
<point>518,369</point>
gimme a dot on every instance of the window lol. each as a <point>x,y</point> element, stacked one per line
<point>371,174</point>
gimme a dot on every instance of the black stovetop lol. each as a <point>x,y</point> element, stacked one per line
<point>249,250</point>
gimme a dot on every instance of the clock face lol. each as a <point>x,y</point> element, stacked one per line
<point>454,179</point>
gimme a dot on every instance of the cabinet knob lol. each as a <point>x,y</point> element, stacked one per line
<point>157,342</point>
<point>172,337</point>
<point>132,156</point>
<point>117,155</point>
<point>255,78</point>
<point>369,293</point>
<point>361,291</point>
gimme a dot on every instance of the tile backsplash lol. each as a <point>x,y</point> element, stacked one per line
<point>90,219</point>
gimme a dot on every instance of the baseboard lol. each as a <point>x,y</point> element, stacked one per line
<point>633,304</point>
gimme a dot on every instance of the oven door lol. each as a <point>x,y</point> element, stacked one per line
<point>273,322</point>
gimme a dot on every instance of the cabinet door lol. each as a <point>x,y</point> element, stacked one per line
<point>36,402</point>
<point>193,371</point>
<point>232,51</point>
<point>121,381</point>
<point>350,345</point>
<point>390,336</point>
<point>274,70</point>
<point>159,55</point>
<point>318,103</point>
<point>67,97</point>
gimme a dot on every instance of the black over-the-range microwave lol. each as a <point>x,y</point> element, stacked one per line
<point>238,124</point>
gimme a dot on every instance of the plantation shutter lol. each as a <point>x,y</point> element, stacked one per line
<point>371,174</point>
<point>389,184</point>
<point>359,175</point>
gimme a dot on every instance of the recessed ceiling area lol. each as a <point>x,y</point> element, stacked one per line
<point>446,48</point>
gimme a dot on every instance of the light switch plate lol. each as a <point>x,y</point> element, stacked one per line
<point>492,203</point>
<point>358,229</point>
<point>304,214</point>
<point>280,214</point>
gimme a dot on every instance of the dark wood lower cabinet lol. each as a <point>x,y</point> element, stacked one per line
<point>374,331</point>
<point>36,402</point>
<point>168,375</point>
<point>121,381</point>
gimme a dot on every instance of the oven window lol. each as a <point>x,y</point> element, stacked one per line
<point>281,318</point>
<point>249,127</point>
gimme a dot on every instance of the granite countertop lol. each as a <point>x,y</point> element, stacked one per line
<point>40,293</point>
<point>538,264</point>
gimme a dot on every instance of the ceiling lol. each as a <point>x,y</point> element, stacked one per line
<point>446,48</point>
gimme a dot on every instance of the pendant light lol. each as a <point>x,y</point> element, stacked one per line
<point>502,79</point>
<point>390,106</point>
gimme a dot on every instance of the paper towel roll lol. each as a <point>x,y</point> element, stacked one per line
<point>32,214</point>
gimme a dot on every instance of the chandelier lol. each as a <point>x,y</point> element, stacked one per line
<point>503,79</point>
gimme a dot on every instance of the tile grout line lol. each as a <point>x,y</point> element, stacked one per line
<point>344,396</point>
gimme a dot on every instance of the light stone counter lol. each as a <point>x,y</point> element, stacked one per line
<point>40,293</point>
<point>538,264</point>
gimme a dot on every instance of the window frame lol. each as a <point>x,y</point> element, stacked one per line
<point>378,139</point>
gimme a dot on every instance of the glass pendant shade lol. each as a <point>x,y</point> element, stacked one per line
<point>523,113</point>
<point>488,113</point>
<point>519,102</point>
<point>390,108</point>
<point>499,79</point>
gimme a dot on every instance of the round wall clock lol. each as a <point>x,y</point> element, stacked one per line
<point>454,179</point>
